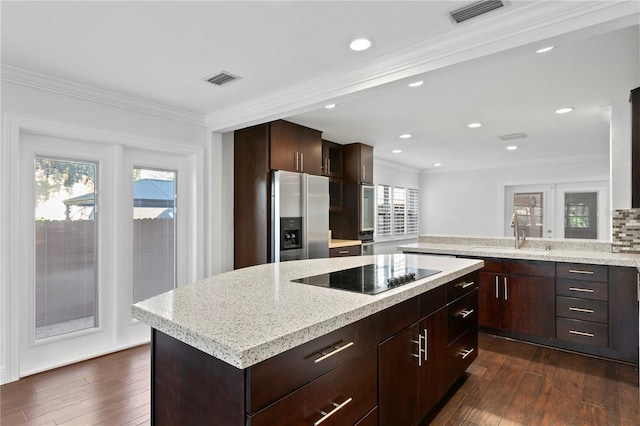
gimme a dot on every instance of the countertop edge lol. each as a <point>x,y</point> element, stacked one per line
<point>596,258</point>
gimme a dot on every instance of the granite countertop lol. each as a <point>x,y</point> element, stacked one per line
<point>248,315</point>
<point>343,243</point>
<point>573,251</point>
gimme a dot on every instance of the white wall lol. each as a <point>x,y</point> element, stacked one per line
<point>471,202</point>
<point>59,111</point>
<point>227,202</point>
<point>620,133</point>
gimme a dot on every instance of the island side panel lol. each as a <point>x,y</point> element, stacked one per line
<point>189,386</point>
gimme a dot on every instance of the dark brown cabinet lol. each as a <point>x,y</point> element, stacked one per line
<point>357,171</point>
<point>331,159</point>
<point>279,145</point>
<point>419,364</point>
<point>295,148</point>
<point>344,251</point>
<point>358,159</point>
<point>518,296</point>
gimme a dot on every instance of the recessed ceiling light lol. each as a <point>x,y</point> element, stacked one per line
<point>416,83</point>
<point>397,151</point>
<point>359,44</point>
<point>544,49</point>
<point>564,110</point>
<point>512,147</point>
<point>437,164</point>
<point>474,125</point>
<point>405,136</point>
<point>330,106</point>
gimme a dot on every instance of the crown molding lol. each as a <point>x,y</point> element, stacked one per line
<point>490,34</point>
<point>64,87</point>
<point>519,164</point>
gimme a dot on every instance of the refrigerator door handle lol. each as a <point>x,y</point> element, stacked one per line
<point>305,215</point>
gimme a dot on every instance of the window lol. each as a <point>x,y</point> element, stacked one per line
<point>580,210</point>
<point>397,211</point>
<point>65,246</point>
<point>154,229</point>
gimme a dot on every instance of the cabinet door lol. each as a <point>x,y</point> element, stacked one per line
<point>433,372</point>
<point>331,159</point>
<point>398,379</point>
<point>490,300</point>
<point>366,164</point>
<point>283,147</point>
<point>529,305</point>
<point>310,149</point>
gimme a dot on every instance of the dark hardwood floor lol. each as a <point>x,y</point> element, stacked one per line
<point>510,383</point>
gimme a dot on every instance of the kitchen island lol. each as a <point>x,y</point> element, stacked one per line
<point>253,347</point>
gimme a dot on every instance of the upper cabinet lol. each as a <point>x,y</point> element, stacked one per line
<point>331,159</point>
<point>358,163</point>
<point>295,148</point>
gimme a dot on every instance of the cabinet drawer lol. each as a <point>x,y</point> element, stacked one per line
<point>344,251</point>
<point>579,271</point>
<point>582,289</point>
<point>463,314</point>
<point>275,377</point>
<point>460,354</point>
<point>344,395</point>
<point>582,309</point>
<point>462,286</point>
<point>532,268</point>
<point>492,265</point>
<point>583,332</point>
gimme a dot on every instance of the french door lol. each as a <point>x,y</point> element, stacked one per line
<point>102,226</point>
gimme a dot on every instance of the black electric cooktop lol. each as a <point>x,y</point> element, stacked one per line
<point>369,279</point>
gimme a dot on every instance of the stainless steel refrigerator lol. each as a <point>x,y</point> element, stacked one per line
<point>300,211</point>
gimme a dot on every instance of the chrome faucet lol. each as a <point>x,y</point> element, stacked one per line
<point>519,240</point>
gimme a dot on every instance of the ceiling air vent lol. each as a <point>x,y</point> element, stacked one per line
<point>513,136</point>
<point>474,9</point>
<point>222,78</point>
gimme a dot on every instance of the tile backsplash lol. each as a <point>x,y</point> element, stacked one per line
<point>626,231</point>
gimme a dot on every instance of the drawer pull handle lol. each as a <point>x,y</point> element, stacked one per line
<point>338,407</point>
<point>343,252</point>
<point>580,271</point>
<point>588,311</point>
<point>581,333</point>
<point>420,350</point>
<point>466,353</point>
<point>332,353</point>
<point>497,294</point>
<point>466,284</point>
<point>465,313</point>
<point>583,290</point>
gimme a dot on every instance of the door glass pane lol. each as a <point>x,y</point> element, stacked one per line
<point>399,200</point>
<point>384,210</point>
<point>529,208</point>
<point>581,215</point>
<point>154,232</point>
<point>65,252</point>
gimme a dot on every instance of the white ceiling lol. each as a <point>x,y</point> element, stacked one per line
<point>292,58</point>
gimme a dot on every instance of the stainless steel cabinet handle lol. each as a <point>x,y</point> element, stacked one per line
<point>581,333</point>
<point>465,313</point>
<point>588,311</point>
<point>297,162</point>
<point>364,172</point>
<point>420,350</point>
<point>497,290</point>
<point>466,284</point>
<point>426,345</point>
<point>580,271</point>
<point>332,353</point>
<point>583,290</point>
<point>466,353</point>
<point>506,294</point>
<point>343,252</point>
<point>325,416</point>
<point>302,161</point>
